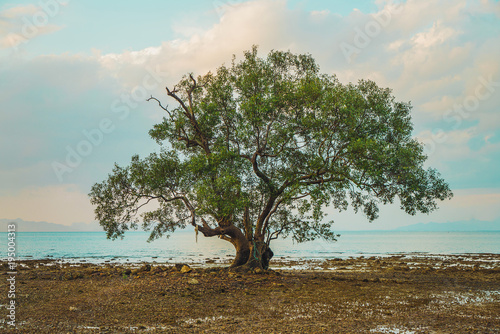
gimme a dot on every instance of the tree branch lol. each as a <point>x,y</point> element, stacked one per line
<point>161,106</point>
<point>189,113</point>
<point>177,98</point>
<point>273,210</point>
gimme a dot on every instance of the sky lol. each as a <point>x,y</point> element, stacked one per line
<point>74,77</point>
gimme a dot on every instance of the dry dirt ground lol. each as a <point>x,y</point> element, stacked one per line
<point>398,294</point>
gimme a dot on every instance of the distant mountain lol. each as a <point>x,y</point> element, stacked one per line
<point>460,226</point>
<point>30,226</point>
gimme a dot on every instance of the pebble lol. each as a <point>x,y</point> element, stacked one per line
<point>193,281</point>
<point>185,269</point>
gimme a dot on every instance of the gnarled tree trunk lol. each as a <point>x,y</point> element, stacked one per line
<point>242,247</point>
<point>250,253</point>
<point>260,255</point>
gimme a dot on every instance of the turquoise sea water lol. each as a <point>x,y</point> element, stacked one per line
<point>94,247</point>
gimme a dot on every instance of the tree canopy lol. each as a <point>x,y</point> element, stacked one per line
<point>258,149</point>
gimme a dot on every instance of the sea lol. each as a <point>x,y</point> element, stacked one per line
<point>186,247</point>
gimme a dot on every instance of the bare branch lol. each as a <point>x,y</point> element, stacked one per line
<point>159,103</point>
<point>188,112</point>
<point>178,99</point>
<point>193,80</point>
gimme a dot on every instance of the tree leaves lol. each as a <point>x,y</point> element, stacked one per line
<point>275,138</point>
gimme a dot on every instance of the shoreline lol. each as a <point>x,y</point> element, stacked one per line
<point>183,248</point>
<point>405,262</point>
<point>284,262</point>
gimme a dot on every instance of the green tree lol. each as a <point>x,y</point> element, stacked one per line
<point>258,149</point>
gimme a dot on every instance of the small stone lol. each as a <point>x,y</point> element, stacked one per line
<point>185,269</point>
<point>258,271</point>
<point>193,281</point>
<point>73,309</point>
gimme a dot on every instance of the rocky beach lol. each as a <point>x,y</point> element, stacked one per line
<point>408,293</point>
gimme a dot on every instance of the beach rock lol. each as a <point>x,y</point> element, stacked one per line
<point>193,281</point>
<point>178,266</point>
<point>185,269</point>
<point>146,267</point>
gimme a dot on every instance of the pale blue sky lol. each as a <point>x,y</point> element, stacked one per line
<point>74,76</point>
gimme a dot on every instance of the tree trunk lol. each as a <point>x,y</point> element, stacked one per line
<point>260,255</point>
<point>250,254</point>
<point>242,250</point>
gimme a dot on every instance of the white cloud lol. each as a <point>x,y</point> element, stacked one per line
<point>415,15</point>
<point>23,23</point>
<point>320,14</point>
<point>488,6</point>
<point>19,11</point>
<point>111,60</point>
<point>449,146</point>
<point>435,36</point>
